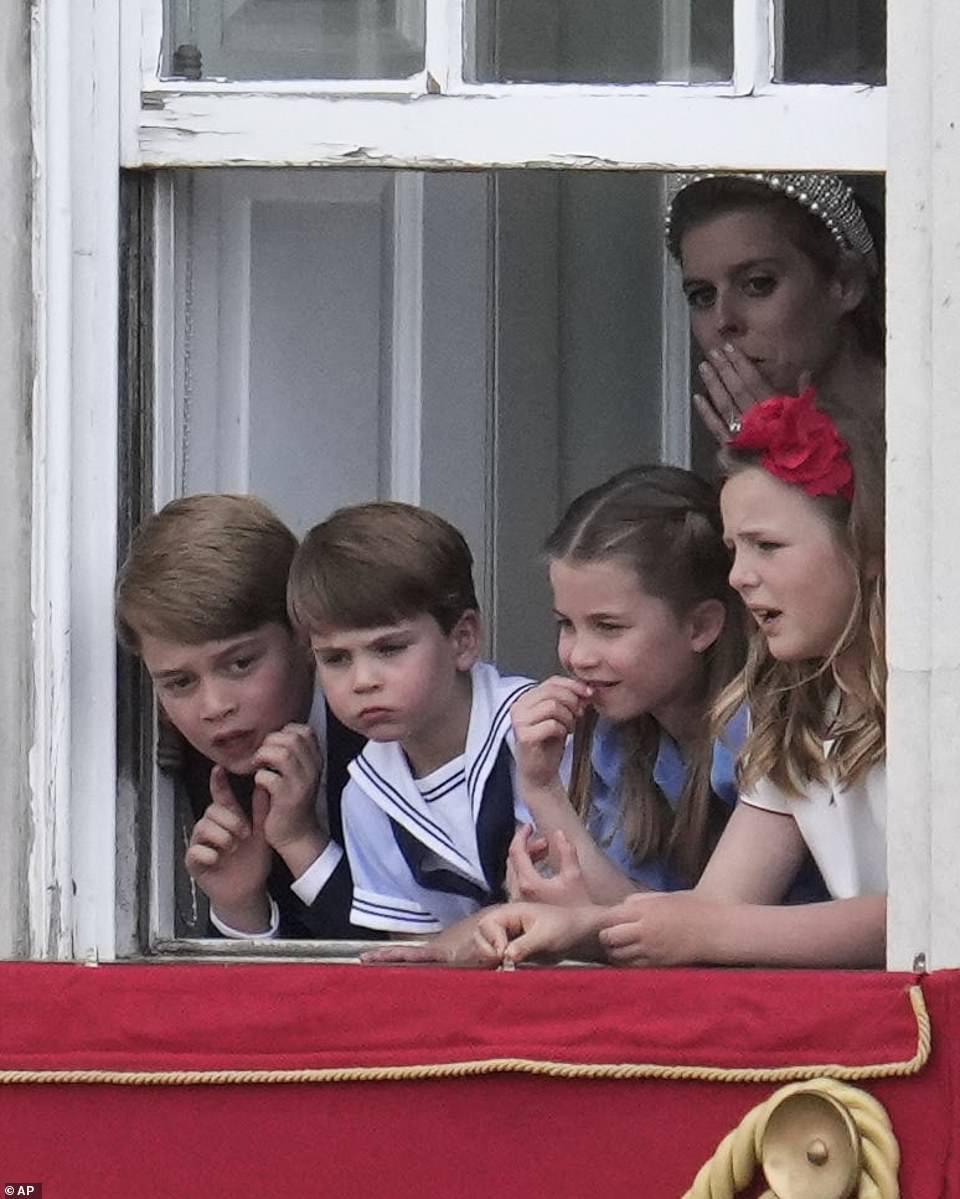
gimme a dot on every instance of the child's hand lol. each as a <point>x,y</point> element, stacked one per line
<point>518,931</point>
<point>526,879</point>
<point>229,857</point>
<point>661,929</point>
<point>289,765</point>
<point>542,719</point>
<point>455,946</point>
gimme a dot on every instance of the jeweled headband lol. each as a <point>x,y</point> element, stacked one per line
<point>824,196</point>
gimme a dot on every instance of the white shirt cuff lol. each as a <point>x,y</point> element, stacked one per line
<point>237,935</point>
<point>316,876</point>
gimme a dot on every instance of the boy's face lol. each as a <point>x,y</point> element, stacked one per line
<point>226,696</point>
<point>400,682</point>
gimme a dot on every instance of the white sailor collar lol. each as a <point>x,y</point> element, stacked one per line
<point>382,772</point>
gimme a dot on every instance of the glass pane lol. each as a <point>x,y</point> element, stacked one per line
<point>832,41</point>
<point>607,41</point>
<point>561,271</point>
<point>294,39</point>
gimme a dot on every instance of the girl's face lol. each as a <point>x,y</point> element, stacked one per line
<point>789,567</point>
<point>630,647</point>
<point>747,284</point>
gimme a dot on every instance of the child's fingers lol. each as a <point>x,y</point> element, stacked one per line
<point>200,857</point>
<point>493,932</point>
<point>629,952</point>
<point>219,829</point>
<point>403,953</point>
<point>550,721</point>
<point>259,808</point>
<point>567,858</point>
<point>511,884</point>
<point>292,747</point>
<point>224,808</point>
<point>533,844</point>
<point>526,879</point>
<point>528,944</point>
<point>616,937</point>
<point>573,693</point>
<point>546,730</point>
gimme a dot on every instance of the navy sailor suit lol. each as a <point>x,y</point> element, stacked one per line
<point>425,853</point>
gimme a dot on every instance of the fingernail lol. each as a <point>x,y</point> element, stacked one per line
<point>715,353</point>
<point>705,368</point>
<point>728,346</point>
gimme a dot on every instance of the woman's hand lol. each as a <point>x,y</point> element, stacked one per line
<point>542,719</point>
<point>733,384</point>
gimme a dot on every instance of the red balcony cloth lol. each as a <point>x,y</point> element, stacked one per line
<point>505,1135</point>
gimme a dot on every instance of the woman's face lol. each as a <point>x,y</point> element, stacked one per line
<point>749,285</point>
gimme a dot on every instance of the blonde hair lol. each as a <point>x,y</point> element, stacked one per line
<point>377,564</point>
<point>204,568</point>
<point>792,703</point>
<point>663,524</point>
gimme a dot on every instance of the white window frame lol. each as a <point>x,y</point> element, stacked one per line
<point>435,119</point>
<point>99,106</point>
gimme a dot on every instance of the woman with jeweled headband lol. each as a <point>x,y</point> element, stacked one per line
<point>784,280</point>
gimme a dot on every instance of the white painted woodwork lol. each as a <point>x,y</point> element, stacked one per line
<point>923,502</point>
<point>669,127</point>
<point>80,141</point>
<point>16,376</point>
<point>73,761</point>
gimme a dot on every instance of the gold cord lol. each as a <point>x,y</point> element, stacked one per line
<point>734,1163</point>
<point>504,1065</point>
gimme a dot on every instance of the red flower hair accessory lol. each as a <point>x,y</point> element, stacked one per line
<point>799,444</point>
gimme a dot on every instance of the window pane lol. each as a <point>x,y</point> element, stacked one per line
<point>831,41</point>
<point>294,39</point>
<point>322,315</point>
<point>607,41</point>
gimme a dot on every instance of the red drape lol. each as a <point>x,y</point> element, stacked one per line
<point>505,1135</point>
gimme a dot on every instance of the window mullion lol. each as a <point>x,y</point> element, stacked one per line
<point>444,45</point>
<point>752,45</point>
<point>675,46</point>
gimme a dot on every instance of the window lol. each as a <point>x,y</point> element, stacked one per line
<point>408,93</point>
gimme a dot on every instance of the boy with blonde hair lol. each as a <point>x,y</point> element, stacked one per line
<point>385,594</point>
<point>201,599</point>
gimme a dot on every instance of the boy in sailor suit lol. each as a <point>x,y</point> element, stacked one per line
<point>385,594</point>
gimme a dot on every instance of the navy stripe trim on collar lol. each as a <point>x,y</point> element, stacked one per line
<point>384,910</point>
<point>430,827</point>
<point>494,734</point>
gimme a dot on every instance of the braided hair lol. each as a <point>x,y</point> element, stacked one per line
<point>663,524</point>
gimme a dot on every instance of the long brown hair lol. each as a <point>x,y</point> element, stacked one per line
<point>792,703</point>
<point>663,524</point>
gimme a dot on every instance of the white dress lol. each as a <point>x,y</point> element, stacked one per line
<point>844,828</point>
